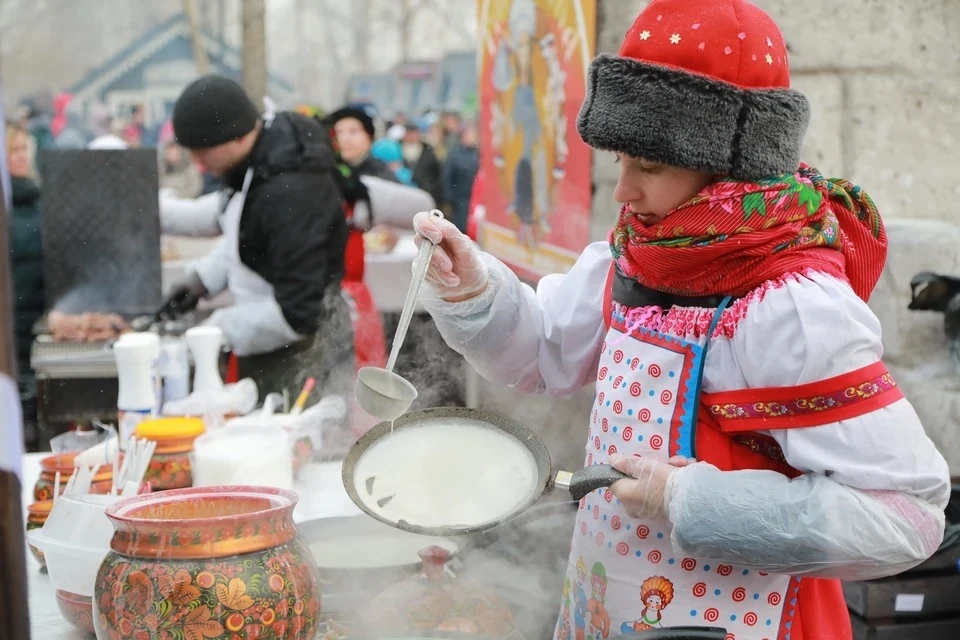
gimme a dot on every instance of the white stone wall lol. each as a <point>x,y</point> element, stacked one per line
<point>915,348</point>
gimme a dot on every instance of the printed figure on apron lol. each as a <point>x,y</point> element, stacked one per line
<point>580,600</point>
<point>565,627</point>
<point>599,619</point>
<point>736,364</point>
<point>656,593</point>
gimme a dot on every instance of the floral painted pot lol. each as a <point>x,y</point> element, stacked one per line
<point>207,563</point>
<point>36,515</point>
<point>63,463</point>
<point>169,467</point>
<point>77,610</point>
<point>438,602</point>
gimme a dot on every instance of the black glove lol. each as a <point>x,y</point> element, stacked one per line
<point>183,298</point>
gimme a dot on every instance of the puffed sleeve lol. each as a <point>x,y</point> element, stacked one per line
<point>543,341</point>
<point>871,498</point>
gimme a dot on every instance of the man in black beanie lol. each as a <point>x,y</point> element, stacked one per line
<point>284,235</point>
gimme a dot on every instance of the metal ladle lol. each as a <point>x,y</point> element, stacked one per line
<point>381,392</point>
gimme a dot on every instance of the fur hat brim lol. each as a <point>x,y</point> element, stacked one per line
<point>686,120</point>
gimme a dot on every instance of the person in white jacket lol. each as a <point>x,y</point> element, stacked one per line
<point>739,381</point>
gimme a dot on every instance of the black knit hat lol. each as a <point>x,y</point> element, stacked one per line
<point>357,113</point>
<point>213,110</point>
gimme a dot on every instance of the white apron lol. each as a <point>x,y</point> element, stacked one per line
<point>250,291</point>
<point>245,284</point>
<point>622,575</point>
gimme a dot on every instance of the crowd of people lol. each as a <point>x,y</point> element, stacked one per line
<point>436,151</point>
<point>434,155</point>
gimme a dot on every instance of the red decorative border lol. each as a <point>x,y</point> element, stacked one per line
<point>675,345</point>
<point>810,405</point>
<point>790,602</point>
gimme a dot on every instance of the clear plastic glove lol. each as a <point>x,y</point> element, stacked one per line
<point>644,496</point>
<point>456,271</point>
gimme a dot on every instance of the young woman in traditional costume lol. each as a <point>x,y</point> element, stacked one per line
<point>725,324</point>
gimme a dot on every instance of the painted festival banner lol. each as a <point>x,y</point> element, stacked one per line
<point>533,58</point>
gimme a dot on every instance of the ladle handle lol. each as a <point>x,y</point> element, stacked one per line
<point>588,479</point>
<point>419,273</point>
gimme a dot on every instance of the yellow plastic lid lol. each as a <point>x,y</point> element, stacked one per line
<point>170,428</point>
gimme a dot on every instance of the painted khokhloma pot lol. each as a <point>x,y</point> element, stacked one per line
<point>207,563</point>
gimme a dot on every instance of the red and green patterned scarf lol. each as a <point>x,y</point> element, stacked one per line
<point>734,236</point>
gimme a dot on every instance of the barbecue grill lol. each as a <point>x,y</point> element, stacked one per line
<point>101,240</point>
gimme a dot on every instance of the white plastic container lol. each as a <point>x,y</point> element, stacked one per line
<point>137,355</point>
<point>243,455</point>
<point>174,369</point>
<point>205,343</point>
<point>75,539</point>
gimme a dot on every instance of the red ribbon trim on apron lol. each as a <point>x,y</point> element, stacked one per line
<point>843,397</point>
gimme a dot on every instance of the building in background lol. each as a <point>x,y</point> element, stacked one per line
<point>151,71</point>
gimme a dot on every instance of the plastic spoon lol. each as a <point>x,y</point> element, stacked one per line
<point>381,392</point>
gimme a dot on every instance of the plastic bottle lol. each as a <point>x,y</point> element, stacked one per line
<point>205,343</point>
<point>136,355</point>
<point>174,369</point>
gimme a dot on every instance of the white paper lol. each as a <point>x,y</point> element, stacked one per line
<point>909,602</point>
<point>11,427</point>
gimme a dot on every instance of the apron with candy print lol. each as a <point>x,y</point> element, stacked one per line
<point>622,575</point>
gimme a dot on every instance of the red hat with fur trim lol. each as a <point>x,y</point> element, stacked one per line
<point>700,84</point>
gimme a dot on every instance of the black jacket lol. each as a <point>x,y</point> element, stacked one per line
<point>293,231</point>
<point>26,262</point>
<point>459,172</point>
<point>427,173</point>
<point>375,168</point>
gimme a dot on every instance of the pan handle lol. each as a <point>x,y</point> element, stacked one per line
<point>588,479</point>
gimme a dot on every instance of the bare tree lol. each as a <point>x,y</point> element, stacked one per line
<point>253,53</point>
<point>193,23</point>
<point>361,33</point>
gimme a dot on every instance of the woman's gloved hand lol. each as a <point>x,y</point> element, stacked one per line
<point>456,271</point>
<point>644,496</point>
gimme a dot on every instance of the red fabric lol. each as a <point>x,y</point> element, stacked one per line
<point>734,236</point>
<point>821,611</point>
<point>354,257</point>
<point>60,103</point>
<point>233,369</point>
<point>608,298</point>
<point>369,340</point>
<point>476,200</point>
<point>370,346</point>
<point>727,40</point>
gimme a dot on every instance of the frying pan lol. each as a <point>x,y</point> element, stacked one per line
<point>579,483</point>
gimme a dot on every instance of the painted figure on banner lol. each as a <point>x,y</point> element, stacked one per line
<point>534,55</point>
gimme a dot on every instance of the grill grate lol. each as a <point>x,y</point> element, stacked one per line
<point>53,359</point>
